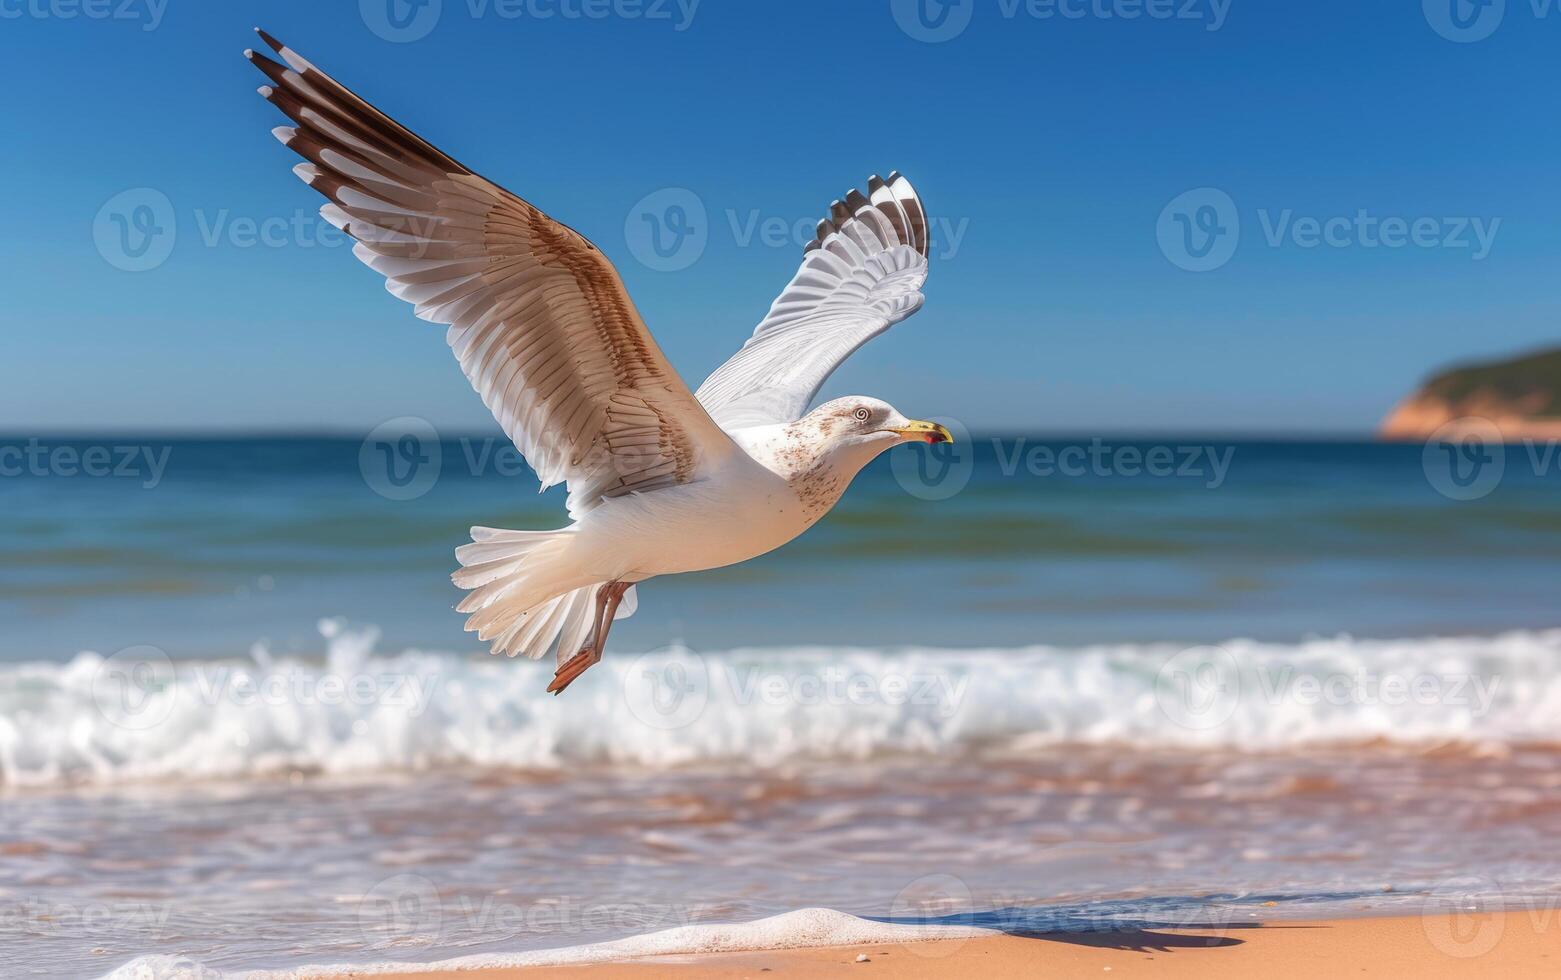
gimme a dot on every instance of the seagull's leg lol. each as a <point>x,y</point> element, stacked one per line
<point>607,599</point>
<point>614,595</point>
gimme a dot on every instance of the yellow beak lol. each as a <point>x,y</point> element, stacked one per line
<point>928,432</point>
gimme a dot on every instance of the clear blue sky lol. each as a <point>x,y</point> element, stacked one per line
<point>1055,142</point>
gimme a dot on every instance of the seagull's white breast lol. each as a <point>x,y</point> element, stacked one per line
<point>742,510</point>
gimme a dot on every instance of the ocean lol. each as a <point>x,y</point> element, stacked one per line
<point>1034,682</point>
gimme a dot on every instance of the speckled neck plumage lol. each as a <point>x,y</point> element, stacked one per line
<point>812,472</point>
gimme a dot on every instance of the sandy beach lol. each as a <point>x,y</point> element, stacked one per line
<point>1510,945</point>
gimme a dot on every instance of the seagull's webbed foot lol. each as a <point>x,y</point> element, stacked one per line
<point>606,607</point>
<point>572,668</point>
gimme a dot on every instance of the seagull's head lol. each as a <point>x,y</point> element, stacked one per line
<point>857,428</point>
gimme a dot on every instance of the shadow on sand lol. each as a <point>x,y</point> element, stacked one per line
<point>1143,924</point>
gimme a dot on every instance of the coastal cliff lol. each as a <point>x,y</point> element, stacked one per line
<point>1520,396</point>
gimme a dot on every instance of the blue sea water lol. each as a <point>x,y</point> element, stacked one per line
<point>203,547</point>
<point>1064,683</point>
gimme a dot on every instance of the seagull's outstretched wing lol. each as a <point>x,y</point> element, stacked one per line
<point>538,317</point>
<point>861,275</point>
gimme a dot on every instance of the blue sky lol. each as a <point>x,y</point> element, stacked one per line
<point>1049,138</point>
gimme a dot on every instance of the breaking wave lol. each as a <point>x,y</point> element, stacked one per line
<point>138,716</point>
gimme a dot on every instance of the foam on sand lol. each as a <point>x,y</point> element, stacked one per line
<point>791,930</point>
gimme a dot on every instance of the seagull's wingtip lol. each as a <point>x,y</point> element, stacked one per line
<point>271,42</point>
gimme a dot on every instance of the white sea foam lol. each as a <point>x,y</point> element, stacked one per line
<point>792,930</point>
<point>135,717</point>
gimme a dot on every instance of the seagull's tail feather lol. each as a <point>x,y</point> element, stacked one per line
<point>525,593</point>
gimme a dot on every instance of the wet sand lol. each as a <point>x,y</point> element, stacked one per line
<point>1511,945</point>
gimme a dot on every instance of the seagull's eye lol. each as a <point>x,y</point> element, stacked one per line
<point>862,414</point>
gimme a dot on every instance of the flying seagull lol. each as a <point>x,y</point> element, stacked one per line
<point>661,479</point>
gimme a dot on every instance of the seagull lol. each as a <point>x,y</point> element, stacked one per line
<point>661,479</point>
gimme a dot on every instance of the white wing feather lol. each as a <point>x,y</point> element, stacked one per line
<point>862,275</point>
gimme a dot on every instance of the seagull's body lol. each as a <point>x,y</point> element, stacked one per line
<point>661,480</point>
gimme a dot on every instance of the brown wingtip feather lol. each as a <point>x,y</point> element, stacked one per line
<point>271,42</point>
<point>902,210</point>
<point>273,70</point>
